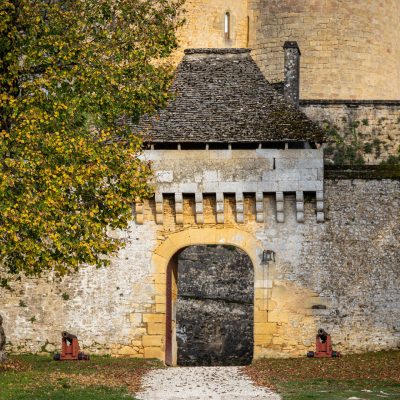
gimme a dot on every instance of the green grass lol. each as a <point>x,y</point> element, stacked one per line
<point>363,376</point>
<point>331,389</point>
<point>40,378</point>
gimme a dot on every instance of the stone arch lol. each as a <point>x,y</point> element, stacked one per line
<point>164,263</point>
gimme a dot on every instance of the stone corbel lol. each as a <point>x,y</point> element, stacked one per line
<point>320,206</point>
<point>300,206</point>
<point>239,208</point>
<point>139,211</point>
<point>159,209</point>
<point>199,208</point>
<point>220,208</point>
<point>260,207</point>
<point>179,208</point>
<point>280,214</point>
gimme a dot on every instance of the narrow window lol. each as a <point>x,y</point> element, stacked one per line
<point>227,26</point>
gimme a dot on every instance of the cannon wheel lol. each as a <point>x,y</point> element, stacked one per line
<point>83,356</point>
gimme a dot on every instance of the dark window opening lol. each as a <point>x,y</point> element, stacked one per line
<point>273,145</point>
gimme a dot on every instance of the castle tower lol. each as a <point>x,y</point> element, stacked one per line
<point>214,24</point>
<point>350,49</point>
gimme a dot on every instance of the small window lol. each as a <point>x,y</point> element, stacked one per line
<point>227,26</point>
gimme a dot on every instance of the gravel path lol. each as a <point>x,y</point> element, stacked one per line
<point>201,383</point>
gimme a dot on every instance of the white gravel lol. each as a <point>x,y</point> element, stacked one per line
<point>201,383</point>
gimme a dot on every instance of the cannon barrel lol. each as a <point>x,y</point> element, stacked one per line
<point>322,334</point>
<point>68,336</point>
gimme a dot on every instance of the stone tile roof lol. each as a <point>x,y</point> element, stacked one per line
<point>222,96</point>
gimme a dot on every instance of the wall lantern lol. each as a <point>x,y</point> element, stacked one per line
<point>267,256</point>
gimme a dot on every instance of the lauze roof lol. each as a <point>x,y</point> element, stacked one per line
<point>222,96</point>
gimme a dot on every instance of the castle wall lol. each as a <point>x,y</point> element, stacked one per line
<point>372,128</point>
<point>204,25</point>
<point>341,275</point>
<point>350,49</point>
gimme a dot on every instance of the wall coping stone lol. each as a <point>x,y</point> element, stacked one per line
<point>218,51</point>
<point>365,172</point>
<point>349,103</point>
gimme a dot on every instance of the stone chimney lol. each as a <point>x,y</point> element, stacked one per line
<point>292,72</point>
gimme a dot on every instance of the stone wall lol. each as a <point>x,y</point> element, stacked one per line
<point>372,128</point>
<point>350,49</point>
<point>359,60</point>
<point>215,310</point>
<point>341,275</point>
<point>204,26</point>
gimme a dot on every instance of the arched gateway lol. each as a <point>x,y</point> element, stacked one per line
<point>218,269</point>
<point>210,315</point>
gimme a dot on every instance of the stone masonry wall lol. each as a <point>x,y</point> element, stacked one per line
<point>350,49</point>
<point>371,127</point>
<point>341,275</point>
<point>204,26</point>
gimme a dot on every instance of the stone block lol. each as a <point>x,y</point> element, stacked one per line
<point>278,316</point>
<point>153,340</point>
<point>154,352</point>
<point>153,318</point>
<point>127,351</point>
<point>262,339</point>
<point>156,328</point>
<point>260,316</point>
<point>265,328</point>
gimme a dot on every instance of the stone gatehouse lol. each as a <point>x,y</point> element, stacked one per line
<point>244,251</point>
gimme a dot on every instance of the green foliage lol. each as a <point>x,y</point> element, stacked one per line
<point>368,148</point>
<point>22,303</point>
<point>365,122</point>
<point>393,160</point>
<point>65,296</point>
<point>345,150</point>
<point>72,74</point>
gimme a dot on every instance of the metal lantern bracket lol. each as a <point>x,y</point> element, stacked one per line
<point>267,256</point>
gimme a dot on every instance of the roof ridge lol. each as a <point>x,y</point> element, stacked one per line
<point>226,50</point>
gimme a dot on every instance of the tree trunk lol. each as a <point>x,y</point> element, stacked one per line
<point>3,355</point>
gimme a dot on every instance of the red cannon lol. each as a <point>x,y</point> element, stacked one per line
<point>70,349</point>
<point>323,346</point>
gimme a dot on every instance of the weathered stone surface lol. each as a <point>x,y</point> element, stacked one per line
<point>291,90</point>
<point>215,306</point>
<point>376,124</point>
<point>239,171</point>
<point>349,264</point>
<point>353,62</point>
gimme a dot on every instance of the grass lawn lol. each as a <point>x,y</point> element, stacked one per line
<point>102,378</point>
<point>363,376</point>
